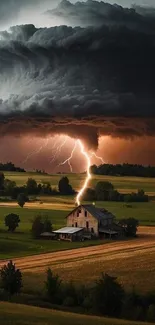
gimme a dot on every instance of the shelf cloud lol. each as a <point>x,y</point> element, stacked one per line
<point>82,81</point>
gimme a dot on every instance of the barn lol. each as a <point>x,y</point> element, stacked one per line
<point>89,221</point>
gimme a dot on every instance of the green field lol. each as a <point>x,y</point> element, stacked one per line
<point>21,243</point>
<point>11,314</point>
<point>123,184</point>
<point>56,208</point>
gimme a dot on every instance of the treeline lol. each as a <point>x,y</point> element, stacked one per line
<point>123,170</point>
<point>105,297</point>
<point>105,191</point>
<point>10,188</point>
<point>10,167</point>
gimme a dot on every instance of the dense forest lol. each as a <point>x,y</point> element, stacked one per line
<point>123,170</point>
<point>10,167</point>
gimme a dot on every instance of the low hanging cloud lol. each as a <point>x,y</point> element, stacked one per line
<point>84,82</point>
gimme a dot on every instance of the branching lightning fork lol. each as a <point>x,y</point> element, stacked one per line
<point>97,157</point>
<point>69,159</point>
<point>35,152</point>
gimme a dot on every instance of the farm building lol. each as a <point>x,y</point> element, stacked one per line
<point>69,233</point>
<point>88,221</point>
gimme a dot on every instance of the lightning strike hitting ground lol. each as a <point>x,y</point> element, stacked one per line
<point>69,159</point>
<point>35,152</point>
<point>97,157</point>
<point>88,160</point>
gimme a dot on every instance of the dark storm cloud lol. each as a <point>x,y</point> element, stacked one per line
<point>96,13</point>
<point>83,82</point>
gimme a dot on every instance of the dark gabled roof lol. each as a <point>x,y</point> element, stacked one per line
<point>97,213</point>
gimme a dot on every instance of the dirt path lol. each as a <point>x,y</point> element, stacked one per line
<point>113,250</point>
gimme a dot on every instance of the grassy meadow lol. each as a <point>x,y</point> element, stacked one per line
<point>56,208</point>
<point>123,184</point>
<point>13,314</point>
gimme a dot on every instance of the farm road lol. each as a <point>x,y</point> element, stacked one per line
<point>145,243</point>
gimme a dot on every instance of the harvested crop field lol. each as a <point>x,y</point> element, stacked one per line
<point>11,314</point>
<point>132,261</point>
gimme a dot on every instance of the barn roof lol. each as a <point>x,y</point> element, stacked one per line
<point>68,230</point>
<point>97,213</point>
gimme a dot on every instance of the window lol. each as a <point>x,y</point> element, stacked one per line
<point>72,225</point>
<point>87,224</point>
<point>85,213</point>
<point>76,224</point>
<point>78,212</point>
<point>92,230</point>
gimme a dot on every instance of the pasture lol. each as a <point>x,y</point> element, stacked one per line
<point>11,314</point>
<point>57,207</point>
<point>123,184</point>
<point>21,242</point>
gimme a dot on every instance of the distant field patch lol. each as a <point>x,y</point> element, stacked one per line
<point>13,314</point>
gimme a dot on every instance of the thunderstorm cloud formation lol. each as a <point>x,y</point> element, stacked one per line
<point>92,76</point>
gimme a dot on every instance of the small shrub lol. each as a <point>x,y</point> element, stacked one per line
<point>12,221</point>
<point>22,199</point>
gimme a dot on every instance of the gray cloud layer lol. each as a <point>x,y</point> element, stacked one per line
<point>80,81</point>
<point>96,13</point>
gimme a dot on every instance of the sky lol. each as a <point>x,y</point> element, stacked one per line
<point>76,70</point>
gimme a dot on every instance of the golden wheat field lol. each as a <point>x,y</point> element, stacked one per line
<point>131,261</point>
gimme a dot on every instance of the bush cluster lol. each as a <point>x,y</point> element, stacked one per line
<point>106,297</point>
<point>105,191</point>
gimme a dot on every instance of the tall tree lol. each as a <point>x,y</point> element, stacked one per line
<point>52,284</point>
<point>64,187</point>
<point>31,186</point>
<point>47,225</point>
<point>11,278</point>
<point>108,296</point>
<point>37,227</point>
<point>2,178</point>
<point>103,190</point>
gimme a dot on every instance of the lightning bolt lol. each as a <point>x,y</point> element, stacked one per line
<point>69,159</point>
<point>88,177</point>
<point>35,152</point>
<point>100,158</point>
<point>58,150</point>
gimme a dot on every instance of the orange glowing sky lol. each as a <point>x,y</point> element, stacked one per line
<point>38,153</point>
